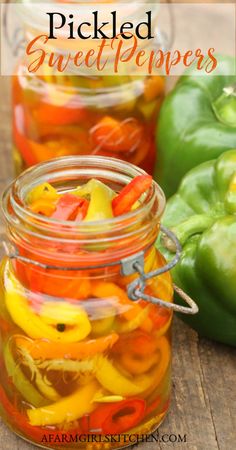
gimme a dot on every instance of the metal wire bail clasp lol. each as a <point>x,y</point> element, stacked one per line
<point>135,289</point>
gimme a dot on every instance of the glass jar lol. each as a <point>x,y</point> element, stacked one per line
<point>81,363</point>
<point>60,115</point>
<point>76,115</point>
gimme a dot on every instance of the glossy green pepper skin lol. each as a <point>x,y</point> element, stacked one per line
<point>197,123</point>
<point>203,216</point>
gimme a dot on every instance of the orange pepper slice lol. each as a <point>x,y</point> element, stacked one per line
<point>43,206</point>
<point>136,364</point>
<point>117,136</point>
<point>102,289</point>
<point>67,141</point>
<point>154,87</point>
<point>45,349</point>
<point>136,342</point>
<point>52,114</point>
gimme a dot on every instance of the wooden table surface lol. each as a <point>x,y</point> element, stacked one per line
<point>203,404</point>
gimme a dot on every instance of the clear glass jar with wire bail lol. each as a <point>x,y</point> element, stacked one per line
<point>85,347</point>
<point>113,116</point>
<point>58,115</point>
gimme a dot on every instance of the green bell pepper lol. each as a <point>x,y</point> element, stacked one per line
<point>203,216</point>
<point>197,123</point>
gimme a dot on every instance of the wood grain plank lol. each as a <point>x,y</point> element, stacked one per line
<point>190,407</point>
<point>218,365</point>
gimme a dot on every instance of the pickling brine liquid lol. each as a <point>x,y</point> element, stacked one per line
<point>82,366</point>
<point>84,356</point>
<point>113,116</point>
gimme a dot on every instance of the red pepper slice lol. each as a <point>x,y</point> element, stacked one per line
<point>113,135</point>
<point>69,284</point>
<point>82,210</point>
<point>115,418</point>
<point>70,207</point>
<point>126,198</point>
<point>58,284</point>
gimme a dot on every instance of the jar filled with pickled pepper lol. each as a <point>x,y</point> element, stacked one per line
<point>83,351</point>
<point>57,114</point>
<point>112,116</point>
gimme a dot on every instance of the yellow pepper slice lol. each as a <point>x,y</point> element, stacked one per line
<point>104,325</point>
<point>33,325</point>
<point>163,330</point>
<point>115,382</point>
<point>100,206</point>
<point>101,398</point>
<point>43,384</point>
<point>59,312</point>
<point>69,365</point>
<point>56,96</point>
<point>67,409</point>
<point>43,191</point>
<point>86,189</point>
<point>137,322</point>
<point>21,382</point>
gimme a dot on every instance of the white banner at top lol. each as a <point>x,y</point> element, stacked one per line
<point>134,38</point>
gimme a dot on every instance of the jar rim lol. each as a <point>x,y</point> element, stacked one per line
<point>18,189</point>
<point>104,240</point>
<point>133,88</point>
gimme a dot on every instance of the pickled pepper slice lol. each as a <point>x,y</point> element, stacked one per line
<point>32,324</point>
<point>47,349</point>
<point>115,418</point>
<point>117,136</point>
<point>44,207</point>
<point>70,207</point>
<point>126,198</point>
<point>66,409</point>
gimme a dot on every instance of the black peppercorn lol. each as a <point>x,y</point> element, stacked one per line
<point>61,327</point>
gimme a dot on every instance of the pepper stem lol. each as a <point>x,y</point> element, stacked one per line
<point>194,225</point>
<point>225,106</point>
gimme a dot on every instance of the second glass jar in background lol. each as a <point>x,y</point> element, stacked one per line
<point>75,115</point>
